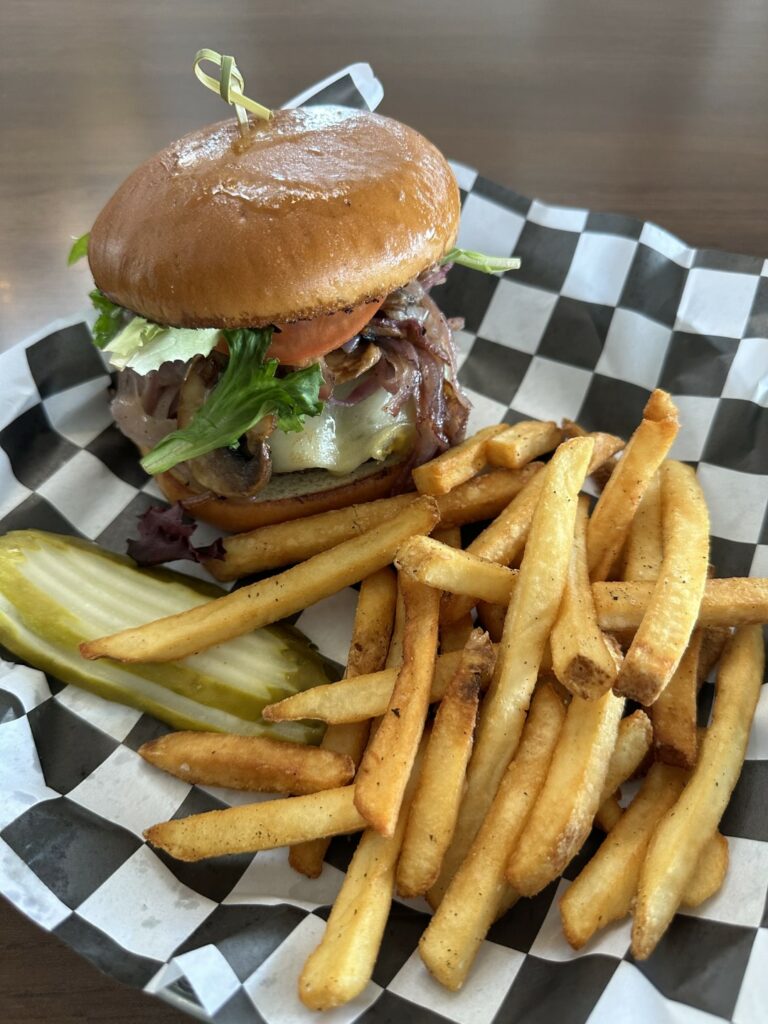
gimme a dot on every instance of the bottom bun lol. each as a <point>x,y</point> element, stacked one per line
<point>290,495</point>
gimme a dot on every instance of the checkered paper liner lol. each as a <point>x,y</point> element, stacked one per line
<point>604,309</point>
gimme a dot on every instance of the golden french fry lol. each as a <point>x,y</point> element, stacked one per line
<point>710,872</point>
<point>616,507</point>
<point>374,617</point>
<point>645,545</point>
<point>670,618</point>
<point>453,635</point>
<point>386,765</point>
<point>741,601</point>
<point>501,542</point>
<point>435,805</point>
<point>248,762</point>
<point>632,745</point>
<point>606,448</point>
<point>583,659</point>
<point>491,618</point>
<point>450,535</point>
<point>395,652</point>
<point>342,965</point>
<point>479,888</point>
<point>520,444</point>
<point>446,568</point>
<point>253,827</point>
<point>270,547</point>
<point>356,700</point>
<point>372,629</point>
<point>713,641</point>
<point>483,497</point>
<point>563,815</point>
<point>673,714</point>
<point>265,602</point>
<point>684,831</point>
<point>532,612</point>
<point>457,465</point>
<point>604,890</point>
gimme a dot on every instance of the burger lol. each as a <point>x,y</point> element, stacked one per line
<point>265,297</point>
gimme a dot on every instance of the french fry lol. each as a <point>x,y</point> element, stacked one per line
<point>253,827</point>
<point>684,831</point>
<point>584,660</point>
<point>491,618</point>
<point>607,447</point>
<point>435,805</point>
<point>479,888</point>
<point>356,700</point>
<point>374,617</point>
<point>532,612</point>
<point>248,762</point>
<point>449,535</point>
<point>394,657</point>
<point>453,635</point>
<point>520,444</point>
<point>604,889</point>
<point>270,547</point>
<point>342,964</point>
<point>443,567</point>
<point>670,618</point>
<point>713,641</point>
<point>503,541</point>
<point>457,465</point>
<point>373,626</point>
<point>633,742</point>
<point>645,545</point>
<point>674,713</point>
<point>483,497</point>
<point>386,765</point>
<point>710,872</point>
<point>740,601</point>
<point>260,604</point>
<point>562,817</point>
<point>616,507</point>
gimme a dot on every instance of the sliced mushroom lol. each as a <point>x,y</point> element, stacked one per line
<point>349,365</point>
<point>231,474</point>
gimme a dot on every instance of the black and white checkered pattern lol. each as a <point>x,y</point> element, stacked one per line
<point>603,310</point>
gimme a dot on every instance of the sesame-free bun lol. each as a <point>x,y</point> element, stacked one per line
<point>319,209</point>
<point>290,495</point>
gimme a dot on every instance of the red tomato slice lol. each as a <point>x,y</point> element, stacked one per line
<point>304,341</point>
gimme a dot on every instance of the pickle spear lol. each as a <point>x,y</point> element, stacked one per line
<point>56,592</point>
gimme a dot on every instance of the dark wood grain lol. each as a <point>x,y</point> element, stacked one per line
<point>654,108</point>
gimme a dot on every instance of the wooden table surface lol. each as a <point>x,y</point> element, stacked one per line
<point>656,109</point>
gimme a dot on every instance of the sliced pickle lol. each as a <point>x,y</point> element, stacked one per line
<point>57,591</point>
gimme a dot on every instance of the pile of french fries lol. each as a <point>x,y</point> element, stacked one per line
<point>578,671</point>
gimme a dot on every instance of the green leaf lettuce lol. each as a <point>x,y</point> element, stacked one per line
<point>247,391</point>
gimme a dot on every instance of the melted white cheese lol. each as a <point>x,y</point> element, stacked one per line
<point>342,438</point>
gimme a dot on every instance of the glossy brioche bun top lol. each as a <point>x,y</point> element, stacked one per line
<point>319,209</point>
